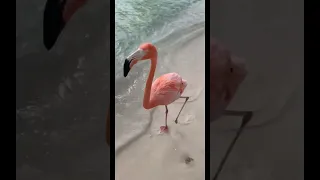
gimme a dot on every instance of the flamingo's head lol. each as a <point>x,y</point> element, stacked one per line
<point>226,74</point>
<point>144,52</point>
<point>183,85</point>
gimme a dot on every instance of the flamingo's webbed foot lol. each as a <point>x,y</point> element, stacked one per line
<point>163,129</point>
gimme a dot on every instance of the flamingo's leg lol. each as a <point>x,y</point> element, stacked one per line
<point>176,121</point>
<point>247,115</point>
<point>165,128</point>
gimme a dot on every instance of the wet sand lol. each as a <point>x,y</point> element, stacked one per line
<point>269,35</point>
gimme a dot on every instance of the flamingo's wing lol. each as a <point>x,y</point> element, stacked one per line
<point>166,89</point>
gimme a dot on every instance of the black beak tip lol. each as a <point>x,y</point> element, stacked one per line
<point>53,22</point>
<point>126,67</point>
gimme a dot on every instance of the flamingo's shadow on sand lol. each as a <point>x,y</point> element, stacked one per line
<point>126,144</point>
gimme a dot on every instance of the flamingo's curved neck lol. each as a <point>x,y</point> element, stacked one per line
<point>147,92</point>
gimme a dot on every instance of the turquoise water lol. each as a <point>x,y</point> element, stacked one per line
<point>138,21</point>
<point>160,22</point>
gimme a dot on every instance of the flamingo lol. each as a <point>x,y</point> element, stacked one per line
<point>164,90</point>
<point>226,75</point>
<point>56,15</point>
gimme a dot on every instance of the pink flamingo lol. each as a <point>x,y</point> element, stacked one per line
<point>165,89</point>
<point>226,75</point>
<point>57,14</point>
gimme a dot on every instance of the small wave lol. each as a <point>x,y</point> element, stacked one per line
<point>130,138</point>
<point>152,21</point>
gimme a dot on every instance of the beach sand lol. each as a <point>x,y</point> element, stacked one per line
<point>269,35</point>
<point>150,155</point>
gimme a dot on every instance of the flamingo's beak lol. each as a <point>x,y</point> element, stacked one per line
<point>132,59</point>
<point>126,67</point>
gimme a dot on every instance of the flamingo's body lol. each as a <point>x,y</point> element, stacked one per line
<point>165,89</point>
<point>226,77</point>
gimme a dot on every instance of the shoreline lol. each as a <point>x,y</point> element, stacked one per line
<point>163,156</point>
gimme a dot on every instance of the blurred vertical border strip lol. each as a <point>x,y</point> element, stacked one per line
<point>207,89</point>
<point>112,89</point>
